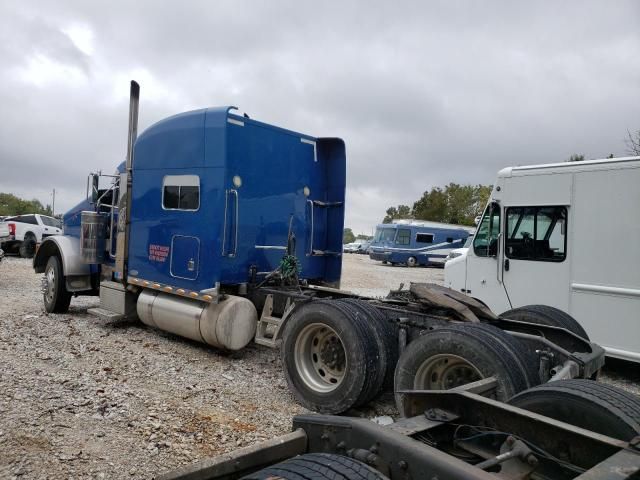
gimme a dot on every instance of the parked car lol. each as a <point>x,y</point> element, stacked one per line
<point>458,252</point>
<point>353,247</point>
<point>25,231</point>
<point>365,248</point>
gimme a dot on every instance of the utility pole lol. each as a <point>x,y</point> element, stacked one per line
<point>53,204</point>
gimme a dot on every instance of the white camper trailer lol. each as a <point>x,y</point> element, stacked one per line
<point>565,235</point>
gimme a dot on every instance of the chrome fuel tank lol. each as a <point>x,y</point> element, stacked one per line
<point>228,325</point>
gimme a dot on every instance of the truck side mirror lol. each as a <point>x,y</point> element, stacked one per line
<point>92,183</point>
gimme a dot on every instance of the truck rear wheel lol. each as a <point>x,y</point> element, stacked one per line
<point>318,466</point>
<point>412,262</point>
<point>546,315</point>
<point>587,404</point>
<point>56,297</point>
<point>28,246</point>
<point>455,355</point>
<point>388,333</point>
<point>330,358</point>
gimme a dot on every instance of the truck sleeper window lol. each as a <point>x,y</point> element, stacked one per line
<point>536,233</point>
<point>181,192</point>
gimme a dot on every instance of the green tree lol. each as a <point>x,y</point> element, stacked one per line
<point>12,205</point>
<point>483,193</point>
<point>576,158</point>
<point>396,213</point>
<point>348,236</point>
<point>431,206</point>
<point>362,236</point>
<point>457,204</point>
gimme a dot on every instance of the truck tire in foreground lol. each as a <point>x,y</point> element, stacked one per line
<point>56,296</point>
<point>318,466</point>
<point>332,357</point>
<point>546,315</point>
<point>454,355</point>
<point>587,404</point>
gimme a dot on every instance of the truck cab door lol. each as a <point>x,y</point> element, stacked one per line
<point>535,266</point>
<point>484,262</point>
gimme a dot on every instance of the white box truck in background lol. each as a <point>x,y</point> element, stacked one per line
<point>565,235</point>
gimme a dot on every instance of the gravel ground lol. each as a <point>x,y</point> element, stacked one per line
<point>85,398</point>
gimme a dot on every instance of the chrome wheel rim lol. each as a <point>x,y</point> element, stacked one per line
<point>50,279</point>
<point>320,358</point>
<point>411,262</point>
<point>445,371</point>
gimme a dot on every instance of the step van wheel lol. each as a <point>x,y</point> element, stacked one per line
<point>385,329</point>
<point>546,315</point>
<point>454,355</point>
<point>329,358</point>
<point>594,406</point>
<point>56,296</point>
<point>318,466</point>
<point>412,262</point>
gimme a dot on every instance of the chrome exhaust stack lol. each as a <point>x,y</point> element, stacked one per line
<point>124,206</point>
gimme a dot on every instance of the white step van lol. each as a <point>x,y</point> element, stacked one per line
<point>565,235</point>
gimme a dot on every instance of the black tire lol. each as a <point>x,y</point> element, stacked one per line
<point>56,296</point>
<point>584,403</point>
<point>360,363</point>
<point>387,331</point>
<point>412,262</point>
<point>526,360</point>
<point>318,466</point>
<point>546,315</point>
<point>464,353</point>
<point>28,246</point>
<point>375,346</point>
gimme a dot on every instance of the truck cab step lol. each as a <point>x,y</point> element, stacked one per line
<point>105,314</point>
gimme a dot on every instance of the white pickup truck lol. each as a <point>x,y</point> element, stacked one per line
<point>4,236</point>
<point>25,231</point>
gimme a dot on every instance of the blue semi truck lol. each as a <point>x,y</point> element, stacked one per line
<point>226,230</point>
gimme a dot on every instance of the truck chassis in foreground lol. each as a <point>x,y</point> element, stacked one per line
<point>455,434</point>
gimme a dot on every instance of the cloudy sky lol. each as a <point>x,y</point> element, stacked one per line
<point>424,93</point>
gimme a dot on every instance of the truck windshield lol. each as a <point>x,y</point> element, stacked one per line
<point>467,243</point>
<point>485,242</point>
<point>384,235</point>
